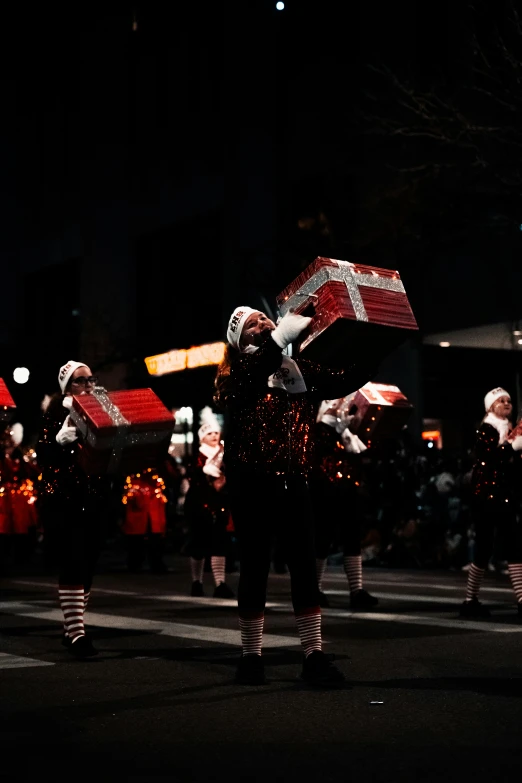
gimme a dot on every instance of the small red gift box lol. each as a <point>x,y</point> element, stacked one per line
<point>121,431</point>
<point>379,410</point>
<point>7,404</point>
<point>358,310</point>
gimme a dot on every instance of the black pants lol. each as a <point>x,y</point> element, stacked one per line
<point>208,534</point>
<point>75,536</point>
<point>337,518</point>
<point>264,507</point>
<point>141,547</point>
<point>496,524</point>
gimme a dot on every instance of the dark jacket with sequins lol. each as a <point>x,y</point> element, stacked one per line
<point>496,469</point>
<point>202,497</point>
<point>61,478</point>
<point>332,463</point>
<point>268,429</point>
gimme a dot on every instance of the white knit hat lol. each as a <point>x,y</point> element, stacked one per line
<point>236,323</point>
<point>64,376</point>
<point>209,422</point>
<point>493,395</point>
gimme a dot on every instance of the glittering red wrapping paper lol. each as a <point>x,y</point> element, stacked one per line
<point>380,411</point>
<point>7,404</point>
<point>121,431</point>
<point>357,308</point>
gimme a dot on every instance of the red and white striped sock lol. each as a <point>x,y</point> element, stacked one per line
<point>515,573</point>
<point>320,568</point>
<point>251,627</point>
<point>71,601</point>
<point>217,564</point>
<point>196,569</point>
<point>353,570</point>
<point>86,596</point>
<point>475,577</point>
<point>309,627</point>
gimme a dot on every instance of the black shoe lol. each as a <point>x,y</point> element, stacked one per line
<point>324,601</point>
<point>361,599</point>
<point>82,648</point>
<point>250,670</point>
<point>474,609</point>
<point>196,591</point>
<point>66,641</point>
<point>224,591</point>
<point>318,669</point>
<point>519,611</point>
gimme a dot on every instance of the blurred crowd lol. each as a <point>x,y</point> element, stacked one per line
<point>415,509</point>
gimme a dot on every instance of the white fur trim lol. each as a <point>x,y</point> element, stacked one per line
<point>502,426</point>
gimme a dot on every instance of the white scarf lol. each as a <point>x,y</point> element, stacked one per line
<point>502,426</point>
<point>288,377</point>
<point>210,467</point>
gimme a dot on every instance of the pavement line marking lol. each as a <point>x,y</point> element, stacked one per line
<point>420,599</point>
<point>20,662</point>
<point>414,619</point>
<point>163,628</point>
<point>174,597</point>
<point>423,585</point>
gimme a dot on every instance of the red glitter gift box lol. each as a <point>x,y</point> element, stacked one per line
<point>358,309</point>
<point>7,404</point>
<point>380,411</point>
<point>121,431</point>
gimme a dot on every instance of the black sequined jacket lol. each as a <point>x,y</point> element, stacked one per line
<point>270,430</point>
<point>332,464</point>
<point>496,469</point>
<point>61,477</point>
<point>202,496</point>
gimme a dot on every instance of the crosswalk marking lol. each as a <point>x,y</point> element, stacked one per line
<point>201,633</point>
<point>418,599</point>
<point>169,597</point>
<point>20,662</point>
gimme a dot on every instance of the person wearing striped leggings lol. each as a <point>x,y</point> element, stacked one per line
<point>269,400</point>
<point>495,479</point>
<point>335,482</point>
<point>73,506</point>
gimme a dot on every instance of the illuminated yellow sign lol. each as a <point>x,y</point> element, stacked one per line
<point>185,359</point>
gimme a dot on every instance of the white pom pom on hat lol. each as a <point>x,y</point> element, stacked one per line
<point>64,376</point>
<point>493,395</point>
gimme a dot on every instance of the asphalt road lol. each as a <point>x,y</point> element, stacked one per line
<point>429,696</point>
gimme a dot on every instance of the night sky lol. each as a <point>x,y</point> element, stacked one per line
<point>250,140</point>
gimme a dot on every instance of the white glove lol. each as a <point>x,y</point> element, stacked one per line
<point>289,327</point>
<point>352,443</point>
<point>66,434</point>
<point>210,469</point>
<point>67,402</point>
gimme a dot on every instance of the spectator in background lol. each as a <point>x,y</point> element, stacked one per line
<point>145,520</point>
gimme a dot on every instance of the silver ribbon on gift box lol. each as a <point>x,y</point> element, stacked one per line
<point>343,273</point>
<point>124,435</point>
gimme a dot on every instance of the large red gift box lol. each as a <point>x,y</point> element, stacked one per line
<point>7,404</point>
<point>121,431</point>
<point>359,310</point>
<point>379,410</point>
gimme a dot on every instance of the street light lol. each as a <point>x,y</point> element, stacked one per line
<point>21,375</point>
